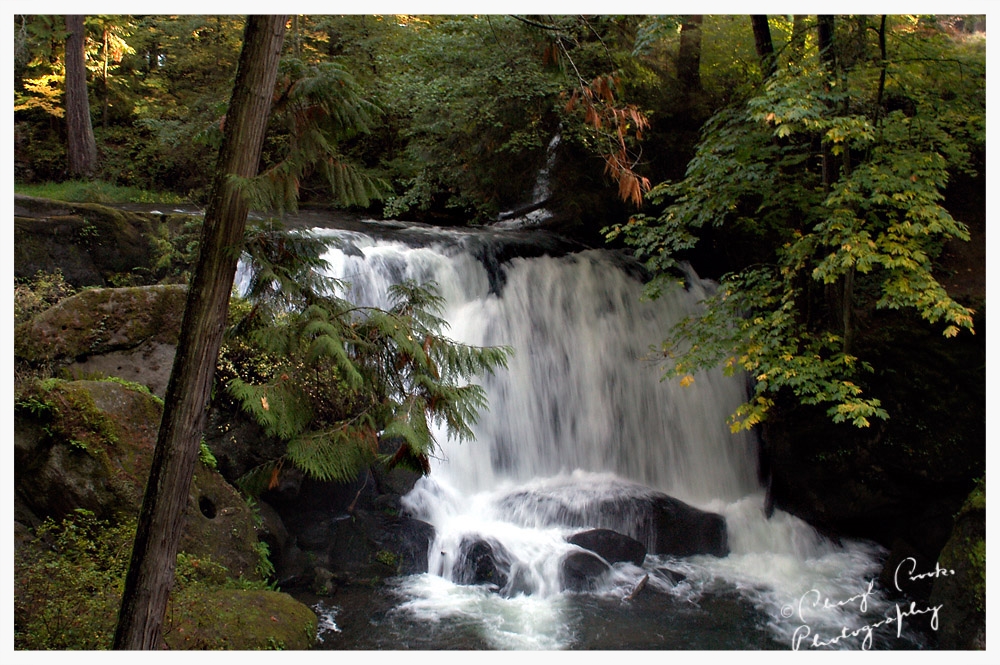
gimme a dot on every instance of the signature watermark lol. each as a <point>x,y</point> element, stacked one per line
<point>814,601</point>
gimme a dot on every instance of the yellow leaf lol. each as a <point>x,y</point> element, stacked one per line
<point>687,381</point>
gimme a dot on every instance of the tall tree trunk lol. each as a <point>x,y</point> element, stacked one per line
<point>689,54</point>
<point>797,42</point>
<point>844,300</point>
<point>81,146</point>
<point>151,570</point>
<point>763,44</point>
<point>104,78</point>
<point>829,63</point>
<point>824,25</point>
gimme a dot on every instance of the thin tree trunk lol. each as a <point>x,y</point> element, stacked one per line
<point>828,60</point>
<point>825,32</point>
<point>763,44</point>
<point>81,146</point>
<point>104,73</point>
<point>151,571</point>
<point>797,42</point>
<point>689,54</point>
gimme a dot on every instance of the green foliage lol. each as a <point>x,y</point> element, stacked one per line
<point>41,292</point>
<point>332,379</point>
<point>469,105</point>
<point>68,590</point>
<point>320,106</point>
<point>206,457</point>
<point>69,577</point>
<point>94,191</point>
<point>762,169</point>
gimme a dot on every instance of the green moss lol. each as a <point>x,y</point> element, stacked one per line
<point>68,412</point>
<point>977,558</point>
<point>388,558</point>
<point>976,499</point>
<point>238,619</point>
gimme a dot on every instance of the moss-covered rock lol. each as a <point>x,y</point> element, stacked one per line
<point>962,594</point>
<point>92,244</point>
<point>89,444</point>
<point>98,321</point>
<point>240,620</point>
<point>130,333</point>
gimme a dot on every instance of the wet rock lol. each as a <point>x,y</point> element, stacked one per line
<point>582,571</point>
<point>610,545</point>
<point>663,524</point>
<point>482,561</point>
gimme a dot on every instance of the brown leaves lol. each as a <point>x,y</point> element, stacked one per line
<point>615,124</point>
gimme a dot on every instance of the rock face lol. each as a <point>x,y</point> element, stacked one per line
<point>482,561</point>
<point>901,481</point>
<point>661,523</point>
<point>327,534</point>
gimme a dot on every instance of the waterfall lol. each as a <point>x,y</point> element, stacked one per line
<point>534,212</point>
<point>580,414</point>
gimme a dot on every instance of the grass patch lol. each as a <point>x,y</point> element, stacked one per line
<point>94,191</point>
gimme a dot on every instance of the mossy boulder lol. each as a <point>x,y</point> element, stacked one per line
<point>89,444</point>
<point>130,333</point>
<point>241,620</point>
<point>962,595</point>
<point>92,244</point>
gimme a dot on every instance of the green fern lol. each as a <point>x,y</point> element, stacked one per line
<point>342,378</point>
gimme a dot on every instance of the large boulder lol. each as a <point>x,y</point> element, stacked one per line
<point>243,620</point>
<point>130,333</point>
<point>961,590</point>
<point>663,524</point>
<point>89,445</point>
<point>92,244</point>
<point>610,545</point>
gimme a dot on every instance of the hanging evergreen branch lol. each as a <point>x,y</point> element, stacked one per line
<point>341,378</point>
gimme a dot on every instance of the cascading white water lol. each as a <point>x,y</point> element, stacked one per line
<point>582,410</point>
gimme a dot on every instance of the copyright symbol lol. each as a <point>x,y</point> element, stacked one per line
<point>787,611</point>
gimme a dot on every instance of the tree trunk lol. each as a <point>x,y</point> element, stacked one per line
<point>763,44</point>
<point>151,570</point>
<point>827,59</point>
<point>825,32</point>
<point>81,146</point>
<point>797,42</point>
<point>689,54</point>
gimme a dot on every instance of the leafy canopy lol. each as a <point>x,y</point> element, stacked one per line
<point>892,138</point>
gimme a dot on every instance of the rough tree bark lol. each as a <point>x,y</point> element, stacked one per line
<point>81,146</point>
<point>151,570</point>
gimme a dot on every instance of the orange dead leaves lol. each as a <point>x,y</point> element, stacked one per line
<point>615,124</point>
